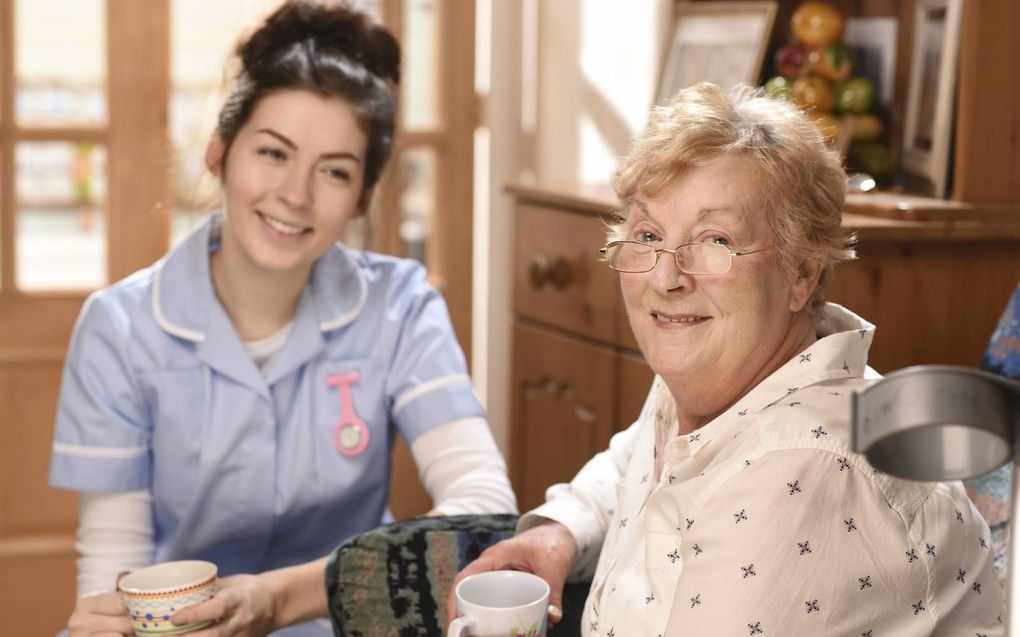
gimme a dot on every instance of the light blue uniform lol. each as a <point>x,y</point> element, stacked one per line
<point>253,471</point>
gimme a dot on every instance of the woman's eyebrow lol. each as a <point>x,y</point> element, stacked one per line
<point>286,141</point>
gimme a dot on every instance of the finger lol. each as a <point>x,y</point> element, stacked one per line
<point>102,626</point>
<point>555,602</point>
<point>103,603</point>
<point>555,612</point>
<point>212,630</point>
<point>83,623</point>
<point>214,608</point>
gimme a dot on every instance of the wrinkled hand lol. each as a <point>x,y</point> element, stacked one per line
<point>243,607</point>
<point>547,550</point>
<point>99,615</point>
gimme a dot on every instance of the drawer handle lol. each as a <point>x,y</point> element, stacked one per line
<point>555,272</point>
<point>562,391</point>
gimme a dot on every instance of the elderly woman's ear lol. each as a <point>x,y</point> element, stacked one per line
<point>804,286</point>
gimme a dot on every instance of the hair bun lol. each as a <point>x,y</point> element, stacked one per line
<point>334,27</point>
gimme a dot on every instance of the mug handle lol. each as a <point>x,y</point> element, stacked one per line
<point>460,626</point>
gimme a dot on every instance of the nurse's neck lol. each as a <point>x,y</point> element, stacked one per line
<point>259,302</point>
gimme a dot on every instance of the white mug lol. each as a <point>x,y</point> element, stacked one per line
<point>501,603</point>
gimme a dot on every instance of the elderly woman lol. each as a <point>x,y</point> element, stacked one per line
<point>735,505</point>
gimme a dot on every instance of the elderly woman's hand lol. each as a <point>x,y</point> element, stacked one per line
<point>547,550</point>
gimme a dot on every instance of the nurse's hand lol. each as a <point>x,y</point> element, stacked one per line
<point>99,614</point>
<point>547,550</point>
<point>243,607</point>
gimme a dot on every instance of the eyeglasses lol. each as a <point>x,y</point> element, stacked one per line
<point>692,258</point>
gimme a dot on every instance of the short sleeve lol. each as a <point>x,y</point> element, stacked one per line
<point>803,542</point>
<point>101,442</point>
<point>428,380</point>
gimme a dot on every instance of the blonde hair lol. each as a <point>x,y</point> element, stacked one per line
<point>802,180</point>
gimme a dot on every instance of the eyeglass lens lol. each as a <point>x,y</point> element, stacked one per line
<point>696,258</point>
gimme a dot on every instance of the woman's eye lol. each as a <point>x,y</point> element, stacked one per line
<point>717,239</point>
<point>645,236</point>
<point>272,153</point>
<point>337,174</point>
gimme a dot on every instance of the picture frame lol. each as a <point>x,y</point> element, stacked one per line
<point>872,45</point>
<point>720,42</point>
<point>928,122</point>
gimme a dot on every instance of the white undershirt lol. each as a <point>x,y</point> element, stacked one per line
<point>458,463</point>
<point>264,350</point>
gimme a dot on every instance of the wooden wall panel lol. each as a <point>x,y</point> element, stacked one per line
<point>28,393</point>
<point>932,302</point>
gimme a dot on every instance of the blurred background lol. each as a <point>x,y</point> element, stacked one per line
<point>106,107</point>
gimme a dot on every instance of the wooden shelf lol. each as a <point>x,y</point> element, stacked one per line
<point>904,207</point>
<point>874,216</point>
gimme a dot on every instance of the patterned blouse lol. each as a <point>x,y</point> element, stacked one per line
<point>764,522</point>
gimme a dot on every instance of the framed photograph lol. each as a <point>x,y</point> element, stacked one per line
<point>872,45</point>
<point>720,42</point>
<point>928,125</point>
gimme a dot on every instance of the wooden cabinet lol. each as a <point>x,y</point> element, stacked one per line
<point>934,288</point>
<point>563,407</point>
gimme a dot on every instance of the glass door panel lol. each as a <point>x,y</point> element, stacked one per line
<point>60,51</point>
<point>60,223</point>
<point>420,64</point>
<point>202,38</point>
<point>417,201</point>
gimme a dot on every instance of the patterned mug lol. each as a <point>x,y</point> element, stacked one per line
<point>153,594</point>
<point>501,603</point>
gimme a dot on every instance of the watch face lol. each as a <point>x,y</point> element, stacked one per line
<point>351,438</point>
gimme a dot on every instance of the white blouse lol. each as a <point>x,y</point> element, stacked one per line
<point>764,522</point>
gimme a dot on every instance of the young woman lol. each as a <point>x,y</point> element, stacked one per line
<point>237,401</point>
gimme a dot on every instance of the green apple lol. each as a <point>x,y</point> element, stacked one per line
<point>779,87</point>
<point>873,158</point>
<point>855,96</point>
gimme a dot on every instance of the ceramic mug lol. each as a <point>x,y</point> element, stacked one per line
<point>501,603</point>
<point>153,594</point>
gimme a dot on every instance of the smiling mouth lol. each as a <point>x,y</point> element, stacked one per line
<point>282,227</point>
<point>685,320</point>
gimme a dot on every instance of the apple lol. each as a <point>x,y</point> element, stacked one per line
<point>817,23</point>
<point>813,93</point>
<point>831,61</point>
<point>827,125</point>
<point>789,59</point>
<point>855,96</point>
<point>867,128</point>
<point>778,87</point>
<point>873,158</point>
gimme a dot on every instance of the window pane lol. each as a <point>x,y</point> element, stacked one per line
<point>417,201</point>
<point>202,38</point>
<point>418,77</point>
<point>61,216</point>
<point>371,7</point>
<point>60,48</point>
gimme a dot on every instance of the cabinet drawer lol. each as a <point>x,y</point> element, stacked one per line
<point>563,409</point>
<point>558,278</point>
<point>635,379</point>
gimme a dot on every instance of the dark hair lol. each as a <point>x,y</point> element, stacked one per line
<point>328,49</point>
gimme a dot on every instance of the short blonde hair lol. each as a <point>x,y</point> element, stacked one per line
<point>802,180</point>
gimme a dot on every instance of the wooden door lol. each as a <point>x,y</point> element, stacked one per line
<point>563,408</point>
<point>82,173</point>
